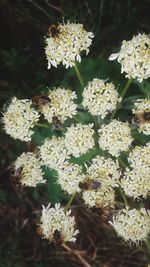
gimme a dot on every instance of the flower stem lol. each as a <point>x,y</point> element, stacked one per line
<point>78,74</point>
<point>126,87</point>
<point>41,125</point>
<point>70,201</point>
<point>122,162</point>
<point>124,197</point>
<point>77,254</point>
<point>122,95</point>
<point>121,191</point>
<point>147,243</point>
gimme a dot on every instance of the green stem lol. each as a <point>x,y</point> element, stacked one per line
<point>96,123</point>
<point>41,125</point>
<point>126,87</point>
<point>121,191</point>
<point>141,205</point>
<point>70,201</point>
<point>122,95</point>
<point>124,197</point>
<point>76,119</point>
<point>100,121</point>
<point>147,243</point>
<point>78,75</point>
<point>122,162</point>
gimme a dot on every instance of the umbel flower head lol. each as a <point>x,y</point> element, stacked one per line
<point>132,225</point>
<point>139,157</point>
<point>56,219</point>
<point>69,177</point>
<point>66,46</point>
<point>141,111</point>
<point>28,170</point>
<point>53,152</point>
<point>105,171</point>
<point>136,180</point>
<point>100,97</point>
<point>103,197</point>
<point>79,139</point>
<point>19,119</point>
<point>136,183</point>
<point>134,57</point>
<point>61,105</point>
<point>115,137</point>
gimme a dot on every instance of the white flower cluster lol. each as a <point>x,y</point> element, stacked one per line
<point>136,182</point>
<point>66,46</point>
<point>142,115</point>
<point>132,225</point>
<point>100,97</point>
<point>61,105</point>
<point>102,198</point>
<point>79,139</point>
<point>57,219</point>
<point>29,169</point>
<point>106,171</point>
<point>115,137</point>
<point>69,177</point>
<point>53,152</point>
<point>139,157</point>
<point>19,119</point>
<point>96,184</point>
<point>134,57</point>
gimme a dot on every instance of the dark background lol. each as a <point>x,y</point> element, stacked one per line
<point>23,25</point>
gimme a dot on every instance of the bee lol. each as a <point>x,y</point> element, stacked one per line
<point>53,31</point>
<point>41,100</point>
<point>142,118</point>
<point>39,230</point>
<point>57,238</point>
<point>87,185</point>
<point>56,123</point>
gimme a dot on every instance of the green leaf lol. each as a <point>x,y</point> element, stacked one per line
<point>55,194</point>
<point>140,138</point>
<point>40,134</point>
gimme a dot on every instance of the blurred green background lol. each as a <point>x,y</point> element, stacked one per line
<point>24,23</point>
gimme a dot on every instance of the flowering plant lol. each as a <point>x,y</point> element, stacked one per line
<point>97,159</point>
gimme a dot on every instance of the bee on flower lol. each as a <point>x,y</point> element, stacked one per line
<point>141,112</point>
<point>69,177</point>
<point>100,179</point>
<point>40,101</point>
<point>65,44</point>
<point>54,31</point>
<point>28,170</point>
<point>60,106</point>
<point>104,170</point>
<point>57,225</point>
